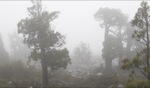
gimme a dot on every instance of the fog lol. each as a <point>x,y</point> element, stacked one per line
<point>102,44</point>
<point>75,20</point>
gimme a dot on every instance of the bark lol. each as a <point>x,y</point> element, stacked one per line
<point>106,32</point>
<point>44,69</point>
<point>108,61</point>
<point>120,61</point>
<point>108,65</point>
<point>44,74</point>
<point>147,46</point>
<point>120,48</point>
<point>128,48</point>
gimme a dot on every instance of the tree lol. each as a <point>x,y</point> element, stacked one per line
<point>141,34</point>
<point>42,40</point>
<point>113,20</point>
<point>59,58</point>
<point>138,84</point>
<point>4,57</point>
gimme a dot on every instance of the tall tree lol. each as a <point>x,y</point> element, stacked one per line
<point>4,57</point>
<point>42,40</point>
<point>141,24</point>
<point>111,19</point>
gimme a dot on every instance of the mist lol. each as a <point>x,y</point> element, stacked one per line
<point>79,50</point>
<point>72,15</point>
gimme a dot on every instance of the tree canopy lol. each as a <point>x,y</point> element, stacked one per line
<point>43,40</point>
<point>141,34</point>
<point>114,22</point>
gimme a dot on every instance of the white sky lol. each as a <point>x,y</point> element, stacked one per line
<point>76,19</point>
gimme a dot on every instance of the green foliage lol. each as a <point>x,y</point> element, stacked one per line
<point>132,64</point>
<point>111,16</point>
<point>58,59</point>
<point>141,22</point>
<point>4,83</point>
<point>141,34</point>
<point>126,64</point>
<point>141,16</point>
<point>41,39</point>
<point>111,19</point>
<point>116,80</point>
<point>138,84</point>
<point>136,62</point>
<point>114,21</point>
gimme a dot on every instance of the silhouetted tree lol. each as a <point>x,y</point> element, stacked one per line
<point>141,34</point>
<point>113,20</point>
<point>42,40</point>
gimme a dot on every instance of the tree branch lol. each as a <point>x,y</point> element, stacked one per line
<point>144,40</point>
<point>141,41</point>
<point>141,71</point>
<point>112,32</point>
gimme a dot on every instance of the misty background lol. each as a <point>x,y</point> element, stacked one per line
<point>75,20</point>
<point>100,47</point>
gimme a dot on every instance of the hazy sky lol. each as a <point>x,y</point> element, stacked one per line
<point>76,19</point>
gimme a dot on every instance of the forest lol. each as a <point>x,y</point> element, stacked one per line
<point>39,56</point>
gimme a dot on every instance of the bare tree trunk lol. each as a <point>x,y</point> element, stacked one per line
<point>147,46</point>
<point>120,62</point>
<point>120,47</point>
<point>44,74</point>
<point>44,69</point>
<point>128,49</point>
<point>108,66</point>
<point>108,61</point>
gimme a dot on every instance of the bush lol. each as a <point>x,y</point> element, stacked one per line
<point>138,84</point>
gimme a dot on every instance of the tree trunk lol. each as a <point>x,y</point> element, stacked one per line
<point>120,61</point>
<point>147,46</point>
<point>120,47</point>
<point>128,49</point>
<point>44,69</point>
<point>44,73</point>
<point>108,61</point>
<point>147,54</point>
<point>106,32</point>
<point>108,66</point>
